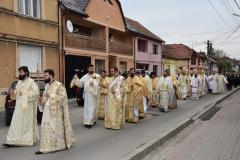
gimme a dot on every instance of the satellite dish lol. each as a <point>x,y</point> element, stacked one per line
<point>69,26</point>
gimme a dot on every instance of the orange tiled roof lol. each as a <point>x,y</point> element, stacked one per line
<point>178,51</point>
<point>138,28</point>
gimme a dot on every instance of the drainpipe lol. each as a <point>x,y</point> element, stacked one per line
<point>61,45</point>
<point>134,52</point>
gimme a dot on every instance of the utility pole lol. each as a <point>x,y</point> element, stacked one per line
<point>209,48</point>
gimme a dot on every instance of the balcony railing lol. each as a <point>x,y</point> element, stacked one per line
<point>84,42</point>
<point>90,43</point>
<point>116,47</point>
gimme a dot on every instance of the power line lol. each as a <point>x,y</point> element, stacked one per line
<point>228,7</point>
<point>237,4</point>
<point>216,37</point>
<point>218,14</point>
<point>238,36</point>
<point>196,34</point>
<point>228,36</point>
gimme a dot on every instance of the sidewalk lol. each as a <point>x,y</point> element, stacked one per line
<point>214,139</point>
<point>132,142</point>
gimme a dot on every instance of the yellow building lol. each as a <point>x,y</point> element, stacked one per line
<point>177,56</point>
<point>172,65</point>
<point>28,36</point>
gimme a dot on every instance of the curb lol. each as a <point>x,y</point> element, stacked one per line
<point>148,147</point>
<point>207,108</point>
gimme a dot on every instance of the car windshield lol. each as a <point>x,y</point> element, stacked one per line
<point>14,84</point>
<point>42,85</point>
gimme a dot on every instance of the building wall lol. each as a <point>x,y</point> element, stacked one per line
<point>148,57</point>
<point>103,19</point>
<point>28,27</point>
<point>18,29</point>
<point>7,62</point>
<point>172,65</point>
<point>52,60</point>
<point>102,12</point>
<point>185,63</point>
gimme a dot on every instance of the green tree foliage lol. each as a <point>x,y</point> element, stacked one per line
<point>224,63</point>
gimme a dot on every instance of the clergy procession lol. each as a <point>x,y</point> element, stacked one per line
<point>115,98</point>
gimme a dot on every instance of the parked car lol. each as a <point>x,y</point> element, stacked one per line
<point>147,72</point>
<point>10,104</point>
<point>79,96</point>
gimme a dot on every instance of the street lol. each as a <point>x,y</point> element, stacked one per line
<point>100,143</point>
<point>215,139</point>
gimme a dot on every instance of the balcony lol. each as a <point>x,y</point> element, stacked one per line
<point>116,47</point>
<point>84,42</point>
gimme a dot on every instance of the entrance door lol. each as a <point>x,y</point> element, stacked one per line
<point>73,65</point>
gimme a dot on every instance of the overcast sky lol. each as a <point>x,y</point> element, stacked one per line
<point>191,22</point>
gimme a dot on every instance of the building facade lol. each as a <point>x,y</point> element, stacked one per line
<point>93,32</point>
<point>147,47</point>
<point>178,56</point>
<point>28,36</point>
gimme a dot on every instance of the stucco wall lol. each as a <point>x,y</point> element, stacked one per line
<point>102,12</point>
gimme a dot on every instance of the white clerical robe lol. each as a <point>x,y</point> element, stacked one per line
<point>23,128</point>
<point>165,88</point>
<point>90,97</point>
<point>214,83</point>
<point>204,85</point>
<point>56,128</point>
<point>222,84</point>
<point>195,83</point>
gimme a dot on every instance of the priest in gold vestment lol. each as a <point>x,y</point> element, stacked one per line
<point>134,97</point>
<point>144,94</point>
<point>102,96</point>
<point>155,97</point>
<point>23,128</point>
<point>183,84</point>
<point>115,111</point>
<point>56,128</point>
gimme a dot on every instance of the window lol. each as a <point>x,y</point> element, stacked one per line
<point>155,49</point>
<point>82,30</point>
<point>142,45</point>
<point>155,68</point>
<point>123,67</point>
<point>142,66</point>
<point>30,56</point>
<point>29,8</point>
<point>99,65</point>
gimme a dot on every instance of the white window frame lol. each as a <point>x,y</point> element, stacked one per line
<point>23,9</point>
<point>40,65</point>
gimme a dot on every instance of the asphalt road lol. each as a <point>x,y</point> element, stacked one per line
<point>102,144</point>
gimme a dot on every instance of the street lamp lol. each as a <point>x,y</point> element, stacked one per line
<point>235,14</point>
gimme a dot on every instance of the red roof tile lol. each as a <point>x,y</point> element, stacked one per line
<point>138,28</point>
<point>177,51</point>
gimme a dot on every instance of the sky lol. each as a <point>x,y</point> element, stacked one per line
<point>191,22</point>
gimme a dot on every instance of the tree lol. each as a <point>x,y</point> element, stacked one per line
<point>224,63</point>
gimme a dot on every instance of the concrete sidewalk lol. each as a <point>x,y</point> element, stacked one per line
<point>216,138</point>
<point>132,142</point>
